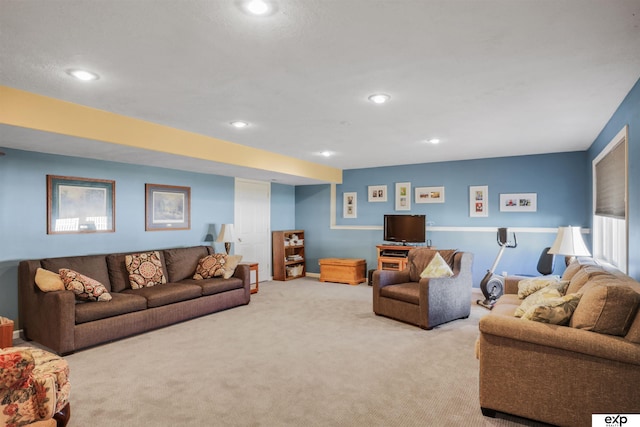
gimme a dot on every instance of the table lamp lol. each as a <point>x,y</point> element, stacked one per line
<point>227,236</point>
<point>569,243</point>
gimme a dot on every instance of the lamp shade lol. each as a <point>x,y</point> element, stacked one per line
<point>569,242</point>
<point>226,234</point>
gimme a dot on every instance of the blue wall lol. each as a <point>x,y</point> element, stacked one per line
<point>23,195</point>
<point>628,113</point>
<point>559,180</point>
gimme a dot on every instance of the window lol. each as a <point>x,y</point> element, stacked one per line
<point>610,203</point>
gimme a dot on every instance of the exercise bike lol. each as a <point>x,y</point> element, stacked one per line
<point>492,285</point>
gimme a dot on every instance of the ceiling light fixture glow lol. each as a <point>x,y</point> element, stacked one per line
<point>379,98</point>
<point>239,124</point>
<point>257,7</point>
<point>326,153</point>
<point>83,75</point>
<point>434,141</point>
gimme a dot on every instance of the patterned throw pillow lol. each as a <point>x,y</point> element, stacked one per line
<point>211,266</point>
<point>528,286</point>
<point>554,290</point>
<point>438,267</point>
<point>48,281</point>
<point>556,311</point>
<point>232,263</point>
<point>145,269</point>
<point>85,288</point>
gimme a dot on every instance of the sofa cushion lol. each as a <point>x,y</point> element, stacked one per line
<point>84,288</point>
<point>408,292</point>
<point>216,285</point>
<point>437,267</point>
<point>94,266</point>
<point>120,304</point>
<point>530,285</point>
<point>166,293</point>
<point>182,262</point>
<point>553,290</point>
<point>48,281</point>
<point>634,330</point>
<point>211,266</point>
<point>419,258</point>
<point>582,276</point>
<point>145,269</point>
<point>556,311</point>
<point>571,270</point>
<point>607,309</point>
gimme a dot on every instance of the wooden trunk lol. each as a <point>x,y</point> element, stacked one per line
<point>343,270</point>
<point>6,332</point>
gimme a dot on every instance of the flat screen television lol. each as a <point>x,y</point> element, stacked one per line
<point>405,228</point>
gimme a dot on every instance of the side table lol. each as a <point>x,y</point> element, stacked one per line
<point>6,332</point>
<point>253,266</point>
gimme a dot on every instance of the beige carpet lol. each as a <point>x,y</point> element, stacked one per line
<point>302,353</point>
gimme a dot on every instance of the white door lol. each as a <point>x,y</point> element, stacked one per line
<point>252,220</point>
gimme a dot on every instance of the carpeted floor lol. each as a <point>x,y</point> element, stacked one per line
<point>302,353</point>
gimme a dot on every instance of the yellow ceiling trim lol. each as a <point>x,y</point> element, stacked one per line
<point>29,110</point>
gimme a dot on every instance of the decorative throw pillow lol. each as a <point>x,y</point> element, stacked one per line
<point>554,290</point>
<point>145,269</point>
<point>437,267</point>
<point>85,288</point>
<point>48,281</point>
<point>607,309</point>
<point>213,265</point>
<point>556,311</point>
<point>232,263</point>
<point>528,286</point>
<point>582,276</point>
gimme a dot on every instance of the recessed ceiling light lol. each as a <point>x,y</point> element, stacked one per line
<point>326,153</point>
<point>434,140</point>
<point>257,7</point>
<point>379,98</point>
<point>83,75</point>
<point>239,124</point>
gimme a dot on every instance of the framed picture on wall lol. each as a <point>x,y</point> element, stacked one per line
<point>377,193</point>
<point>429,194</point>
<point>479,201</point>
<point>350,205</point>
<point>403,196</point>
<point>167,207</point>
<point>522,202</point>
<point>80,205</point>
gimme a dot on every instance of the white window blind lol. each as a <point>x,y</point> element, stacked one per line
<point>610,183</point>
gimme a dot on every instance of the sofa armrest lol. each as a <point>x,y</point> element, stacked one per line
<point>382,278</point>
<point>243,273</point>
<point>511,284</point>
<point>561,337</point>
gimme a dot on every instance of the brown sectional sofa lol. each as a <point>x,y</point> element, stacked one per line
<point>563,374</point>
<point>59,322</point>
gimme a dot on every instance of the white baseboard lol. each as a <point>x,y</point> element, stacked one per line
<point>16,334</point>
<point>316,275</point>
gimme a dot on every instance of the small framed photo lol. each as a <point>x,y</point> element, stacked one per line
<point>167,207</point>
<point>403,196</point>
<point>80,205</point>
<point>479,201</point>
<point>429,194</point>
<point>522,202</point>
<point>350,205</point>
<point>377,193</point>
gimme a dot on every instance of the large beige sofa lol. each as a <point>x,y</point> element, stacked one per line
<point>563,374</point>
<point>63,324</point>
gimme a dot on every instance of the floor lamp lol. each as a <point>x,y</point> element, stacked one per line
<point>569,243</point>
<point>227,236</point>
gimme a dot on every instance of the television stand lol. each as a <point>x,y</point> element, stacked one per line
<point>393,257</point>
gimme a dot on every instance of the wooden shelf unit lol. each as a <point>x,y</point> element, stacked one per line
<point>397,262</point>
<point>287,244</point>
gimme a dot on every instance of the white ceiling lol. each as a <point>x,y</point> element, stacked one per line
<point>490,78</point>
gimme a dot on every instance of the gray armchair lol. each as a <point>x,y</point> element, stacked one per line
<point>404,296</point>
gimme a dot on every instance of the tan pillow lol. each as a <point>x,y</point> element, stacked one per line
<point>607,309</point>
<point>582,276</point>
<point>437,267</point>
<point>571,270</point>
<point>145,269</point>
<point>554,290</point>
<point>528,286</point>
<point>85,288</point>
<point>556,311</point>
<point>232,263</point>
<point>48,281</point>
<point>213,265</point>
